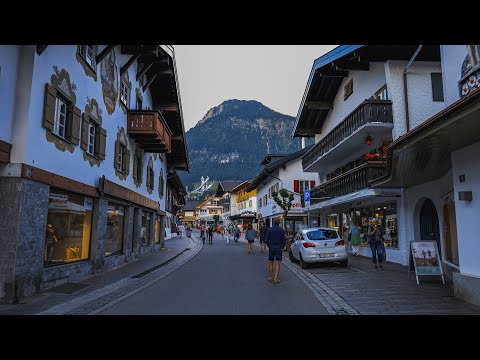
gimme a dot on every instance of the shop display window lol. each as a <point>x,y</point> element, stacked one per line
<point>157,231</point>
<point>69,224</point>
<point>146,218</point>
<point>387,215</point>
<point>115,221</point>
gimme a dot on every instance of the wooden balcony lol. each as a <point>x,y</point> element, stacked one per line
<point>350,181</point>
<point>150,130</point>
<point>371,117</point>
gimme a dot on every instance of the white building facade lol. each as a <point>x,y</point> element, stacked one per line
<point>85,174</point>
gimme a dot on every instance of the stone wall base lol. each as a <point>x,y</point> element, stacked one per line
<point>467,288</point>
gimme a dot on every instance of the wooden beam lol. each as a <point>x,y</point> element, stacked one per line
<point>351,65</point>
<point>166,72</point>
<point>108,49</point>
<point>168,107</point>
<point>149,82</point>
<point>318,105</point>
<point>177,137</point>
<point>333,73</point>
<point>129,63</point>
<point>144,70</point>
<point>308,131</point>
<point>178,166</point>
<point>41,49</point>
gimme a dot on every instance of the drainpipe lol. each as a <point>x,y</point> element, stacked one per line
<point>303,143</point>
<point>407,116</point>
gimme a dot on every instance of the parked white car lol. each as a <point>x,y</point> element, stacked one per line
<point>318,244</point>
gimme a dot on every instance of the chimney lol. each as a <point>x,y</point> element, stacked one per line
<point>303,143</point>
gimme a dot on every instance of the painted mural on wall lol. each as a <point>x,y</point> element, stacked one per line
<point>109,78</point>
<point>470,78</point>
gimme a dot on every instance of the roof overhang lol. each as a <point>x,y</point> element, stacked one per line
<point>363,195</point>
<point>329,71</point>
<point>424,154</point>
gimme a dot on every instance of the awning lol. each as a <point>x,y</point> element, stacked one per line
<point>365,194</point>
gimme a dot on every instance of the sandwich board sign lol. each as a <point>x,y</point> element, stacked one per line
<point>426,259</point>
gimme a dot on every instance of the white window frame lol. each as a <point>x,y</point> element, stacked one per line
<point>90,58</point>
<point>60,128</point>
<point>302,182</point>
<point>91,138</point>
<point>125,93</point>
<point>120,157</point>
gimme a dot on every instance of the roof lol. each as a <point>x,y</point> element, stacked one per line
<point>205,201</point>
<point>226,186</point>
<point>269,157</point>
<point>191,204</point>
<point>329,71</point>
<point>240,186</point>
<point>271,167</point>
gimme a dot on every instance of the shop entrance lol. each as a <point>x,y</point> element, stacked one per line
<point>429,228</point>
<point>450,231</point>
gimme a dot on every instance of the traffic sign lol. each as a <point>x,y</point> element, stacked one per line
<point>306,197</point>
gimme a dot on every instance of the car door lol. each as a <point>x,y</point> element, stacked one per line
<point>297,243</point>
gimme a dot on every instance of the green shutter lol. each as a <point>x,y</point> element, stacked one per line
<point>73,126</point>
<point>126,161</point>
<point>152,179</point>
<point>84,142</point>
<point>49,107</point>
<point>102,144</point>
<point>147,180</point>
<point>115,157</point>
<point>135,164</point>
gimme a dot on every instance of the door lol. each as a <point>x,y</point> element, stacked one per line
<point>429,228</point>
<point>450,231</point>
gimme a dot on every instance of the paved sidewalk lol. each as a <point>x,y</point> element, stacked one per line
<point>96,284</point>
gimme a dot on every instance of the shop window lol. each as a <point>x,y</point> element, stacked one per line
<point>387,215</point>
<point>146,219</point>
<point>115,220</point>
<point>60,116</point>
<point>69,223</point>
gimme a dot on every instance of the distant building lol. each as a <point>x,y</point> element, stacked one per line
<point>245,207</point>
<point>229,199</point>
<point>207,209</point>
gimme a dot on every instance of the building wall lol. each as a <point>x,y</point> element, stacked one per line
<point>73,165</point>
<point>420,99</point>
<point>8,78</point>
<point>452,59</point>
<point>365,84</point>
<point>465,162</point>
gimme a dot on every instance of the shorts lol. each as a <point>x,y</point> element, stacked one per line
<point>275,253</point>
<point>251,241</point>
<point>263,240</point>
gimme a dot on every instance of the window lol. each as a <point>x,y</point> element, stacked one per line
<point>348,89</point>
<point>265,200</point>
<point>381,94</point>
<point>125,93</point>
<point>115,219</point>
<point>437,87</point>
<point>89,53</point>
<point>60,118</point>
<point>260,202</point>
<point>304,185</point>
<point>269,193</point>
<point>69,222</point>
<point>91,139</point>
<point>250,203</point>
<point>120,152</point>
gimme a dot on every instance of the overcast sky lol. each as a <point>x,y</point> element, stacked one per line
<point>275,75</point>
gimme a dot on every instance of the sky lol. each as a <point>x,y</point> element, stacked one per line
<point>275,75</point>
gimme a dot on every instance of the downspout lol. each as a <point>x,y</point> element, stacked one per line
<point>407,116</point>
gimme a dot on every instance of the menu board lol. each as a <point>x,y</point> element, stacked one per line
<point>426,259</point>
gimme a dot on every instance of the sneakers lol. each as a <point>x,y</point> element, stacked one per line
<point>376,268</point>
<point>276,281</point>
<point>380,267</point>
<point>270,279</point>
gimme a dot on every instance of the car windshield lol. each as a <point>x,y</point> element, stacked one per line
<point>322,234</point>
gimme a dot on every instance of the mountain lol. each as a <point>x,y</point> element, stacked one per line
<point>233,137</point>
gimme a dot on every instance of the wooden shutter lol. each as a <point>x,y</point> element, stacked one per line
<point>116,157</point>
<point>161,185</point>
<point>73,126</point>
<point>141,168</point>
<point>49,107</point>
<point>152,179</point>
<point>84,142</point>
<point>296,186</point>
<point>437,86</point>
<point>312,184</point>
<point>135,165</point>
<point>102,144</point>
<point>148,178</point>
<point>126,161</point>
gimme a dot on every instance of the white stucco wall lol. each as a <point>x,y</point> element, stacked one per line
<point>452,59</point>
<point>465,161</point>
<point>8,80</point>
<point>420,99</point>
<point>293,171</point>
<point>365,84</point>
<point>43,154</point>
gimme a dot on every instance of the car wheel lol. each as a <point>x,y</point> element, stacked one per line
<point>290,255</point>
<point>303,264</point>
<point>344,263</point>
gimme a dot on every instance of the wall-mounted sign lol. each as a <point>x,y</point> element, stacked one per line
<point>426,259</point>
<point>58,197</point>
<point>88,203</point>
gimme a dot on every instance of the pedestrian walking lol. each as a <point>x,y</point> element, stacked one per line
<point>263,238</point>
<point>375,242</point>
<point>210,235</point>
<point>276,241</point>
<point>236,235</point>
<point>354,237</point>
<point>250,237</point>
<point>202,233</point>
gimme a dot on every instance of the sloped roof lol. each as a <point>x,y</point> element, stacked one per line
<point>191,204</point>
<point>226,186</point>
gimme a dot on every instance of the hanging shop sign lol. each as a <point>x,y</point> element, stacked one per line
<point>425,258</point>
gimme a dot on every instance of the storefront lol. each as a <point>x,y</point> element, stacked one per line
<point>115,223</point>
<point>69,224</point>
<point>146,222</point>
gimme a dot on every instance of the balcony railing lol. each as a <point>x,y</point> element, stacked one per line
<point>349,182</point>
<point>369,111</point>
<point>150,130</point>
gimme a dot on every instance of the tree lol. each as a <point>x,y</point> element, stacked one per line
<point>216,218</point>
<point>285,202</point>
